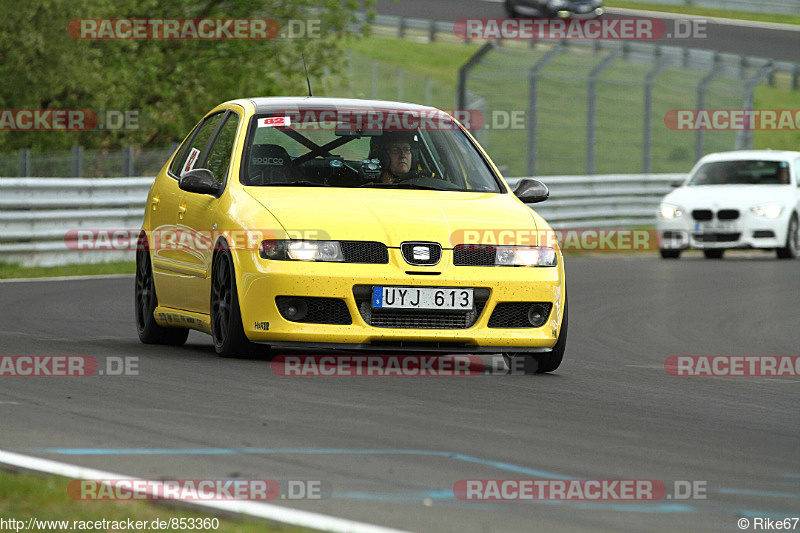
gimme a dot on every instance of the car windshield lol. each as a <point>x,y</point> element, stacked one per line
<point>742,173</point>
<point>395,149</point>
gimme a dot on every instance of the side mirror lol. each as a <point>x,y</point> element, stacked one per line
<point>531,191</point>
<point>201,181</point>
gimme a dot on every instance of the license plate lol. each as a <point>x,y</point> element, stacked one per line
<point>718,226</point>
<point>422,298</point>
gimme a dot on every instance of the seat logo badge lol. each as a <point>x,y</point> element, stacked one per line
<point>421,253</point>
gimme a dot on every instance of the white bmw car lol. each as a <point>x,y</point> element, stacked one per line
<point>742,199</point>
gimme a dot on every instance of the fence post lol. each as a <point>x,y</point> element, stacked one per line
<point>463,72</point>
<point>24,162</point>
<point>796,77</point>
<point>744,138</point>
<point>647,138</point>
<point>533,105</point>
<point>127,161</point>
<point>432,31</point>
<point>77,162</point>
<point>374,79</point>
<point>591,118</point>
<point>701,103</point>
<point>400,81</point>
<point>428,92</point>
<point>401,28</point>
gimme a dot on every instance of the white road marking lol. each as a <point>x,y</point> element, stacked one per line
<point>257,509</point>
<point>66,278</point>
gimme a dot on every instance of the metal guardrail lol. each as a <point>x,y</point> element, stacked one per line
<point>785,7</point>
<point>37,213</point>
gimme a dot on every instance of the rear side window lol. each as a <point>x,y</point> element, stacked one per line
<point>188,159</point>
<point>219,157</point>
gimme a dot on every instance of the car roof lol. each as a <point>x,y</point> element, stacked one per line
<point>743,155</point>
<point>267,104</point>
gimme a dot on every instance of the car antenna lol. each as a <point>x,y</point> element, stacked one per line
<point>307,80</point>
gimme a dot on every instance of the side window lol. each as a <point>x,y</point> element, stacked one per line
<point>219,157</point>
<point>191,153</point>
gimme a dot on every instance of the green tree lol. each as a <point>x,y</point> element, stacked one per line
<point>171,83</point>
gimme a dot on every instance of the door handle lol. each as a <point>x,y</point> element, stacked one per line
<point>155,201</point>
<point>181,211</point>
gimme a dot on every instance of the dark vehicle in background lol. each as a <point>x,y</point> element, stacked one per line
<point>555,8</point>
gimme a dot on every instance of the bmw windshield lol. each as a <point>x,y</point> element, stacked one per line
<point>388,149</point>
<point>742,173</point>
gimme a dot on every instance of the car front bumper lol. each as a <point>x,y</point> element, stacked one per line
<point>261,281</point>
<point>749,231</point>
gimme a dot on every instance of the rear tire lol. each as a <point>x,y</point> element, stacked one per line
<point>226,318</point>
<point>792,241</point>
<point>146,302</point>
<point>714,254</point>
<point>670,254</point>
<point>539,363</point>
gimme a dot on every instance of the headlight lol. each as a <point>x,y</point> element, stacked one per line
<point>670,211</point>
<point>525,256</point>
<point>301,250</point>
<point>767,210</point>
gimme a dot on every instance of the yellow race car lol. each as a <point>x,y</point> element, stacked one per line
<point>347,224</point>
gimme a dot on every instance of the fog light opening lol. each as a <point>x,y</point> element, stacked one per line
<point>296,309</point>
<point>537,315</point>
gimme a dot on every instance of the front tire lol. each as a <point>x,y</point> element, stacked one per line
<point>146,302</point>
<point>792,241</point>
<point>226,318</point>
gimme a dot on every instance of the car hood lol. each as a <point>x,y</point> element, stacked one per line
<point>391,216</point>
<point>728,196</point>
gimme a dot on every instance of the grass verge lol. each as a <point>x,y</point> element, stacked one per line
<point>24,496</point>
<point>10,270</point>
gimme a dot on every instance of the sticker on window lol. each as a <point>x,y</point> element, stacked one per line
<point>271,122</point>
<point>190,161</point>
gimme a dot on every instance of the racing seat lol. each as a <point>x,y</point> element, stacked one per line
<point>269,163</point>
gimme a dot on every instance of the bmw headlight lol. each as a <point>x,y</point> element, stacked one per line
<point>767,210</point>
<point>301,250</point>
<point>670,211</point>
<point>536,256</point>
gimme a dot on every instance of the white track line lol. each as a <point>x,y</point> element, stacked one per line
<point>66,278</point>
<point>260,510</point>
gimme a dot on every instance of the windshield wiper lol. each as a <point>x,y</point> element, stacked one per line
<point>404,186</point>
<point>297,184</point>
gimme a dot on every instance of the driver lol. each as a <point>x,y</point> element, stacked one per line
<point>396,152</point>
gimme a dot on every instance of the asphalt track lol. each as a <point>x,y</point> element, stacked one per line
<point>766,42</point>
<point>392,448</point>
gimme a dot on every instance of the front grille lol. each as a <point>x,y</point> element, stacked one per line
<point>434,253</point>
<point>418,318</point>
<point>474,255</point>
<point>702,214</point>
<point>317,310</point>
<point>716,237</point>
<point>728,214</point>
<point>514,314</point>
<point>365,252</point>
